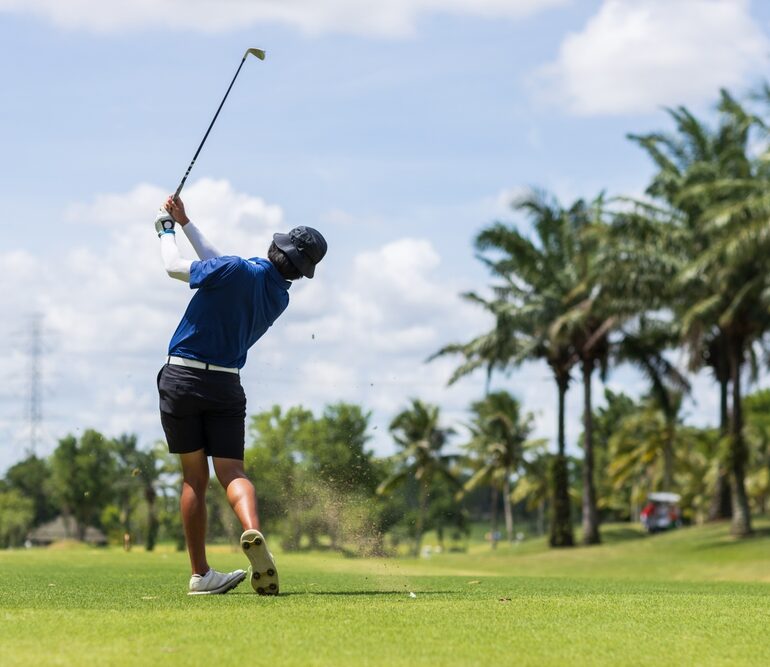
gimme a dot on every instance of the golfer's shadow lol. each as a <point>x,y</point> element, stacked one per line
<point>367,593</point>
<point>404,594</point>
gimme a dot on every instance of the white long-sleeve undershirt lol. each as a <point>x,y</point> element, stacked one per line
<point>178,267</point>
<point>202,246</point>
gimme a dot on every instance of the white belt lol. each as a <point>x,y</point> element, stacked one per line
<point>194,363</point>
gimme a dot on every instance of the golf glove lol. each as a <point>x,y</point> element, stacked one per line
<point>164,223</point>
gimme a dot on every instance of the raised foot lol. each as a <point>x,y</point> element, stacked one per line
<point>264,573</point>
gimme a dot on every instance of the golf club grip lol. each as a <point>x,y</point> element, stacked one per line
<point>205,136</point>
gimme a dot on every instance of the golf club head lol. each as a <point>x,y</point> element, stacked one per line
<point>259,53</point>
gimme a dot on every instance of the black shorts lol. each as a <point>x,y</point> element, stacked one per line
<point>202,409</point>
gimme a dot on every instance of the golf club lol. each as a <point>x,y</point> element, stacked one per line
<point>259,53</point>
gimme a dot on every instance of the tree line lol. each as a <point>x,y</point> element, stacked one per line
<point>608,281</point>
<point>320,486</point>
<point>92,481</point>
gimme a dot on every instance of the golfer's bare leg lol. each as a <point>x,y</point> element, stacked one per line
<point>195,480</point>
<point>240,491</point>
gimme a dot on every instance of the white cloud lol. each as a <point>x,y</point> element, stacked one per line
<point>400,272</point>
<point>240,221</point>
<point>392,18</point>
<point>636,55</point>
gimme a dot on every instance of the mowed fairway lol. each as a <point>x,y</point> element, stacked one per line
<point>692,597</point>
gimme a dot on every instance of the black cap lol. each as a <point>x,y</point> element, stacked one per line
<point>304,246</point>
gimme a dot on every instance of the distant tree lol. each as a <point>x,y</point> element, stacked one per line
<point>338,456</point>
<point>31,477</point>
<point>697,468</point>
<point>83,475</point>
<point>167,502</point>
<point>648,447</point>
<point>538,276</point>
<point>446,515</point>
<point>499,433</point>
<point>606,421</point>
<point>533,484</point>
<point>17,513</point>
<point>150,469</point>
<point>758,437</point>
<point>644,347</point>
<point>316,475</point>
<point>595,309</point>
<point>272,458</point>
<point>126,485</point>
<point>417,432</point>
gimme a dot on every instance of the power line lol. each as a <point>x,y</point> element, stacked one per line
<point>34,380</point>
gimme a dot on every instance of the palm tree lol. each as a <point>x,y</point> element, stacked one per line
<point>492,350</point>
<point>142,472</point>
<point>734,274</point>
<point>416,430</point>
<point>532,486</point>
<point>714,356</point>
<point>597,309</point>
<point>722,191</point>
<point>698,465</point>
<point>152,468</point>
<point>536,289</point>
<point>652,448</point>
<point>643,347</point>
<point>758,434</point>
<point>125,448</point>
<point>694,155</point>
<point>499,435</point>
<point>606,420</point>
<point>642,451</point>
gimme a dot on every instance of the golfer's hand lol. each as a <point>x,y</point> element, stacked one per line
<point>176,208</point>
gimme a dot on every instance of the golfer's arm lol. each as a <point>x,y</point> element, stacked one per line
<point>176,266</point>
<point>202,246</point>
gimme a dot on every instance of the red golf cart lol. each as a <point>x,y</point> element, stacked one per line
<point>661,512</point>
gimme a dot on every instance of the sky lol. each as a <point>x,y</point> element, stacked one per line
<point>399,129</point>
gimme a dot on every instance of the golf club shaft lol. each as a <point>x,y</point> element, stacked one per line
<point>205,136</point>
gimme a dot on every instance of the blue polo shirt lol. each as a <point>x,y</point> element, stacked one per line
<point>236,303</point>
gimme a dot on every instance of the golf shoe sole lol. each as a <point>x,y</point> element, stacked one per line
<point>264,574</point>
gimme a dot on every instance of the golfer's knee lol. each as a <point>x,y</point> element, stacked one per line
<point>227,479</point>
<point>229,472</point>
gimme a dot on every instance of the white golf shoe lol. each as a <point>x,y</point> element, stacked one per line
<point>214,583</point>
<point>264,574</point>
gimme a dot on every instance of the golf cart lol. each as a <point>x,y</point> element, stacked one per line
<point>661,512</point>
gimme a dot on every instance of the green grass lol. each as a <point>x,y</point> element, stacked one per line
<point>693,597</point>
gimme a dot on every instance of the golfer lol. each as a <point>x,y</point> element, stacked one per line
<point>202,403</point>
